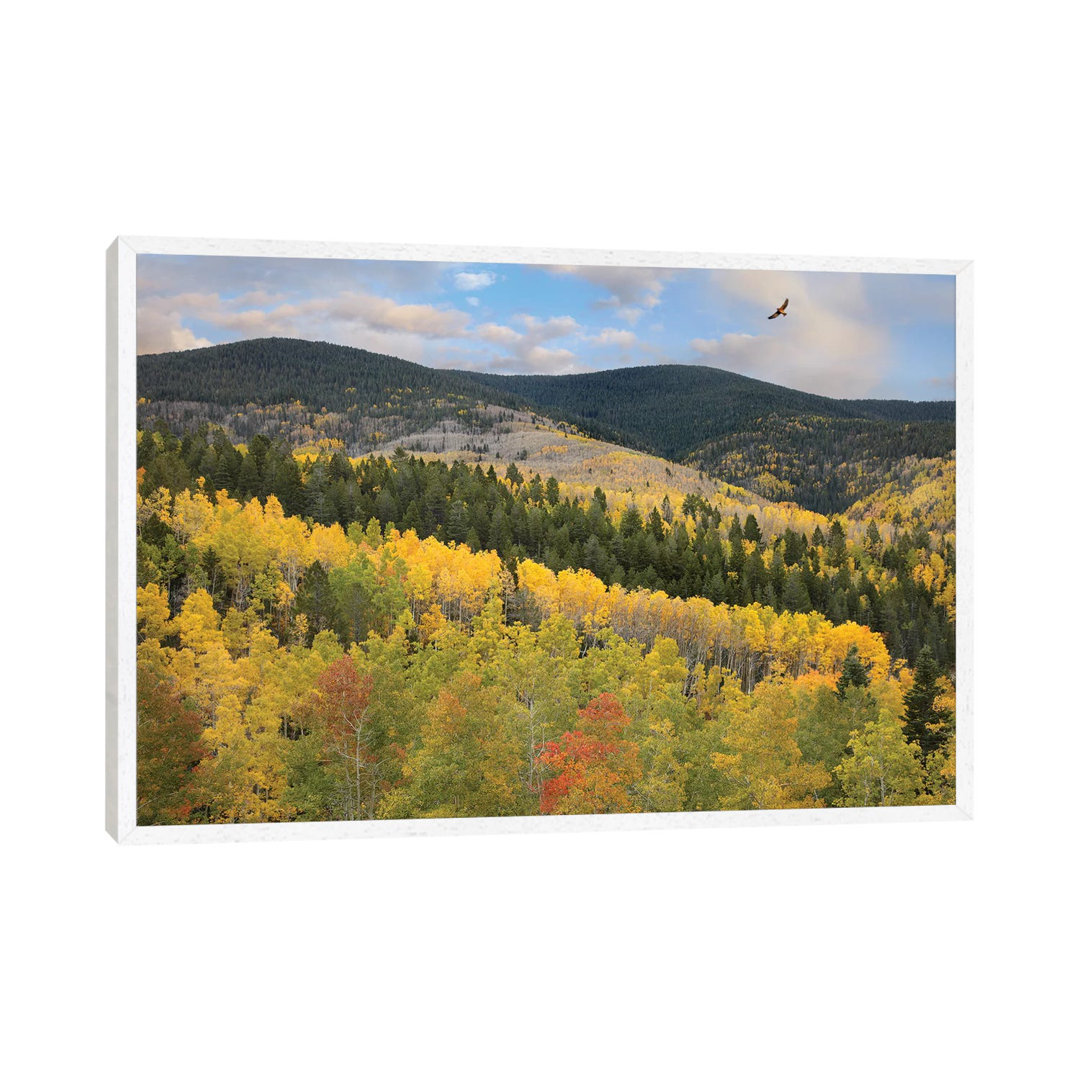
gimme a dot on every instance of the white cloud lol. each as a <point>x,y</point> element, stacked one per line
<point>610,336</point>
<point>637,286</point>
<point>158,332</point>
<point>159,322</point>
<point>467,282</point>
<point>546,329</point>
<point>526,351</point>
<point>381,313</point>
<point>472,301</point>
<point>828,343</point>
<point>496,334</point>
<point>549,361</point>
<point>356,318</point>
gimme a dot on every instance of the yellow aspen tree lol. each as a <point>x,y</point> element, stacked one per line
<point>764,764</point>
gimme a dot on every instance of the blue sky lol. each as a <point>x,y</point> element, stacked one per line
<point>845,335</point>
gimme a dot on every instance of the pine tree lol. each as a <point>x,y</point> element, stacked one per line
<point>922,716</point>
<point>317,602</point>
<point>853,673</point>
<point>837,550</point>
<point>631,522</point>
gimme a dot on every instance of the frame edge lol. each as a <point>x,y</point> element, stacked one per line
<point>112,260</point>
<point>119,538</point>
<point>965,532</point>
<point>120,555</point>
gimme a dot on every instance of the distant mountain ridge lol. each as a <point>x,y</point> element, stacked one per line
<point>275,371</point>
<point>671,409</point>
<point>784,444</point>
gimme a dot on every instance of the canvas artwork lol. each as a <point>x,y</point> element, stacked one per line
<point>418,539</point>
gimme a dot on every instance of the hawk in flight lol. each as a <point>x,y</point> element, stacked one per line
<point>780,310</point>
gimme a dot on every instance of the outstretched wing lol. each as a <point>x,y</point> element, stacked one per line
<point>774,314</point>
<point>783,306</point>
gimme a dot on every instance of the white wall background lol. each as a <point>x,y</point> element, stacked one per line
<point>922,129</point>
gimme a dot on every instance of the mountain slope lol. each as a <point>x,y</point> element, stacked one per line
<point>273,371</point>
<point>671,409</point>
<point>782,444</point>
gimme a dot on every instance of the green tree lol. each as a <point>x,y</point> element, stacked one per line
<point>923,720</point>
<point>764,767</point>
<point>853,675</point>
<point>315,600</point>
<point>631,522</point>
<point>466,764</point>
<point>883,769</point>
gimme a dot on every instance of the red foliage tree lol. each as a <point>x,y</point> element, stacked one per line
<point>342,696</point>
<point>593,766</point>
<point>340,702</point>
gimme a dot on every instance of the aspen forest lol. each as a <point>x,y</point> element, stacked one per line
<point>434,595</point>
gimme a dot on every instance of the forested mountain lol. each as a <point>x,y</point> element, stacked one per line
<point>822,463</point>
<point>671,409</point>
<point>822,453</point>
<point>277,371</point>
<point>782,444</point>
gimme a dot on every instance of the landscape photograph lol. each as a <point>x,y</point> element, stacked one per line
<point>425,539</point>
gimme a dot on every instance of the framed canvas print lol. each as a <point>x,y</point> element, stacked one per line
<point>409,539</point>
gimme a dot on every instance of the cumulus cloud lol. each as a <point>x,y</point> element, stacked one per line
<point>357,318</point>
<point>159,322</point>
<point>610,336</point>
<point>526,351</point>
<point>627,286</point>
<point>550,361</point>
<point>472,301</point>
<point>545,329</point>
<point>158,332</point>
<point>382,313</point>
<point>497,335</point>
<point>467,282</point>
<point>422,332</point>
<point>829,342</point>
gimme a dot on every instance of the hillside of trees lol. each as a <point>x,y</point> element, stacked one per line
<point>689,404</point>
<point>277,371</point>
<point>903,588</point>
<point>823,464</point>
<point>341,619</point>
<point>295,670</point>
<point>820,452</point>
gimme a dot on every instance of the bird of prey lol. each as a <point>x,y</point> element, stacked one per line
<point>780,310</point>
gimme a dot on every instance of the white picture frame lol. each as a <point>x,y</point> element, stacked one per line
<point>120,712</point>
